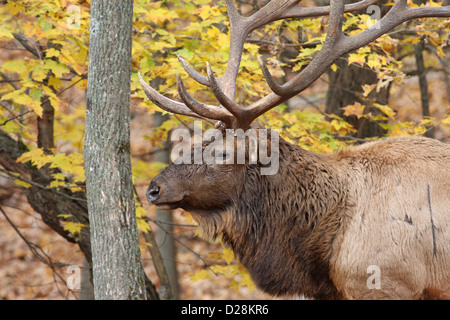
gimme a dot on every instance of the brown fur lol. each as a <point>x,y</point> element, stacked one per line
<point>314,228</point>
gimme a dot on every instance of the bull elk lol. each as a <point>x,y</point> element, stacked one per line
<point>321,224</point>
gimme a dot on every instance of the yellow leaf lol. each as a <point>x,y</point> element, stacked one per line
<point>36,156</point>
<point>22,183</point>
<point>39,73</point>
<point>373,61</point>
<point>446,121</point>
<point>414,40</point>
<point>143,225</point>
<point>334,67</point>
<point>64,215</point>
<point>247,282</point>
<point>228,255</point>
<point>204,274</point>
<point>55,101</point>
<point>435,4</point>
<point>386,110</point>
<point>356,58</point>
<point>356,109</point>
<point>140,211</point>
<point>54,82</point>
<point>434,39</point>
<point>368,89</point>
<point>57,184</point>
<point>440,51</point>
<point>5,33</point>
<point>225,270</point>
<point>73,227</point>
<point>52,52</point>
<point>14,7</point>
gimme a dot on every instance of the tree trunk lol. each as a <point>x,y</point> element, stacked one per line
<point>164,234</point>
<point>117,266</point>
<point>345,89</point>
<point>425,101</point>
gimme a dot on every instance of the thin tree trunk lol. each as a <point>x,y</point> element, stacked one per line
<point>117,266</point>
<point>345,89</point>
<point>164,234</point>
<point>419,47</point>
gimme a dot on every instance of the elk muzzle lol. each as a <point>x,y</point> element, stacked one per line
<point>164,194</point>
<point>153,192</point>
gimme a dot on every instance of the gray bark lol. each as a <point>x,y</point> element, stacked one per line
<point>164,234</point>
<point>117,266</point>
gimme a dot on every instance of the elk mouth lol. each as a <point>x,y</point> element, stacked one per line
<point>163,201</point>
<point>168,205</point>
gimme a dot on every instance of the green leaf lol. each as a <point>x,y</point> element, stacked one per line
<point>57,68</point>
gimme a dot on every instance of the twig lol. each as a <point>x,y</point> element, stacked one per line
<point>15,117</point>
<point>82,77</point>
<point>7,79</point>
<point>23,41</point>
<point>38,252</point>
<point>41,186</point>
<point>170,223</point>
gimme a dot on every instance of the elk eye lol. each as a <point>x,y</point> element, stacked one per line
<point>221,155</point>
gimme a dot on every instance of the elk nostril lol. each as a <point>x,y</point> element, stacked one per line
<point>152,193</point>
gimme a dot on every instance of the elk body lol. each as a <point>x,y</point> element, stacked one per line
<point>316,226</point>
<point>322,224</point>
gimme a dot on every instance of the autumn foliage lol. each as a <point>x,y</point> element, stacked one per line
<point>44,49</point>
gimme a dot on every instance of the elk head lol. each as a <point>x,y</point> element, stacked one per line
<point>206,187</point>
<point>219,165</point>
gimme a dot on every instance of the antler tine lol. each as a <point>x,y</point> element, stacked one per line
<point>240,28</point>
<point>235,109</point>
<point>273,85</point>
<point>170,105</point>
<point>199,108</point>
<point>193,73</point>
<point>163,102</point>
<point>333,36</point>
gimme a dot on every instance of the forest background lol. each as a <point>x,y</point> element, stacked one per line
<point>397,85</point>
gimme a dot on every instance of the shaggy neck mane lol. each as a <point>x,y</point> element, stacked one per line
<point>282,227</point>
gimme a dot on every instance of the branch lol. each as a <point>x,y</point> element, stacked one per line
<point>38,252</point>
<point>49,203</point>
<point>24,42</point>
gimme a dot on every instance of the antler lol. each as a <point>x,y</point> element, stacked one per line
<point>336,44</point>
